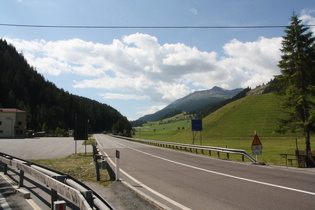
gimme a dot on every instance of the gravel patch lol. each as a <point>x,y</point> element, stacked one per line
<point>122,197</point>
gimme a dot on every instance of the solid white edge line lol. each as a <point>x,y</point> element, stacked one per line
<point>148,188</point>
<point>145,196</point>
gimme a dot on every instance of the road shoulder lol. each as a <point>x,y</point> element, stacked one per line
<point>122,197</point>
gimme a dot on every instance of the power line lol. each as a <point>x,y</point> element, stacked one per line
<point>141,27</point>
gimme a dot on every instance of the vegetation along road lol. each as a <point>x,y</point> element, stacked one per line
<point>181,180</point>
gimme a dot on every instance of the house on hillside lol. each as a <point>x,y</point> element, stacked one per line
<point>12,123</point>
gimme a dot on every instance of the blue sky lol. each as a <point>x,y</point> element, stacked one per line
<point>141,70</point>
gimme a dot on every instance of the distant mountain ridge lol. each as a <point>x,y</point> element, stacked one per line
<point>194,101</point>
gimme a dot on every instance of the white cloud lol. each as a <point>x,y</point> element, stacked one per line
<point>194,11</point>
<point>151,109</point>
<point>252,63</point>
<point>122,96</point>
<point>140,65</point>
<point>308,19</point>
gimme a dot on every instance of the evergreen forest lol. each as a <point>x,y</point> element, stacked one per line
<point>49,108</point>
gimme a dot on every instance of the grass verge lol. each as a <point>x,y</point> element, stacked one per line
<point>79,166</point>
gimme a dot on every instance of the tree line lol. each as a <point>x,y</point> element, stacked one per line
<point>46,105</point>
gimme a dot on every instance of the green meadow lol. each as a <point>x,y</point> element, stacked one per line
<point>233,126</point>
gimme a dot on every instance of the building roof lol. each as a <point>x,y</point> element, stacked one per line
<point>11,110</point>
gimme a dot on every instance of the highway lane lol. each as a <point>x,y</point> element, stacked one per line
<point>184,180</point>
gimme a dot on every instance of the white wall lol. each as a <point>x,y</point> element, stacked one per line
<point>7,124</point>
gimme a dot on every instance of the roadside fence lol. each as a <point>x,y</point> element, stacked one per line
<point>196,148</point>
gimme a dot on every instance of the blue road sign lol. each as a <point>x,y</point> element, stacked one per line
<point>196,125</point>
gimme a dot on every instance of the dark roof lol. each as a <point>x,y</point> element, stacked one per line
<point>11,110</point>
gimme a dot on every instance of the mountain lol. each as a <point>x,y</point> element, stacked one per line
<point>194,101</point>
<point>48,107</point>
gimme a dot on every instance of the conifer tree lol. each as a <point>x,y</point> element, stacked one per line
<point>297,80</point>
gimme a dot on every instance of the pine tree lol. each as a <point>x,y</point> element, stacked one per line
<point>297,80</point>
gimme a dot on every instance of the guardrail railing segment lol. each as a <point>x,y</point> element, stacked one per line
<point>65,185</point>
<point>244,153</point>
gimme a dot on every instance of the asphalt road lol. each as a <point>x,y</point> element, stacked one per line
<point>181,180</point>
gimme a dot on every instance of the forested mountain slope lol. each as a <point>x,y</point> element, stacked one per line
<point>23,88</point>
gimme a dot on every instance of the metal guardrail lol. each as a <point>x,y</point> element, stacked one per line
<point>62,184</point>
<point>228,151</point>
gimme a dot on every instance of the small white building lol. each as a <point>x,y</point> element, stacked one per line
<point>12,123</point>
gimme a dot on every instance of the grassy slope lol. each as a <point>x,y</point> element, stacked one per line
<point>242,117</point>
<point>233,126</point>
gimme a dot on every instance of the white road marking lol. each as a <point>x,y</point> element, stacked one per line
<point>223,174</point>
<point>146,187</point>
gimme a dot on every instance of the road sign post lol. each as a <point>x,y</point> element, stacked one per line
<point>256,146</point>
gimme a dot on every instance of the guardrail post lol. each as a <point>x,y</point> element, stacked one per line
<point>5,169</point>
<point>117,164</point>
<point>243,158</point>
<point>54,196</point>
<point>97,167</point>
<point>94,150</point>
<point>218,154</point>
<point>21,178</point>
<point>88,195</point>
<point>228,156</point>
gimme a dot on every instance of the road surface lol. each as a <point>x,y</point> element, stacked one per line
<point>181,180</point>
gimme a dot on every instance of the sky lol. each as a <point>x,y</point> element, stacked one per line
<point>141,69</point>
